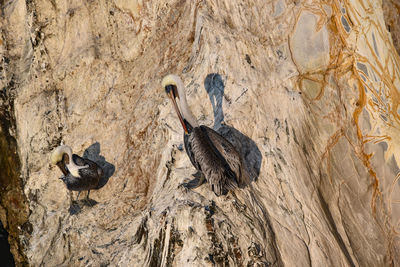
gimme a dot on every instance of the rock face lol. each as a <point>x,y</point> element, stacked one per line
<point>306,90</point>
<point>391,11</point>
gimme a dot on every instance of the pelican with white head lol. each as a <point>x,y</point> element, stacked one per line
<point>210,153</point>
<point>79,173</point>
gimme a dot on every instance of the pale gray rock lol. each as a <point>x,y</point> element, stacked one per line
<point>305,90</point>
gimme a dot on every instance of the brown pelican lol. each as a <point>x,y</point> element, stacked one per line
<point>211,154</point>
<point>79,174</point>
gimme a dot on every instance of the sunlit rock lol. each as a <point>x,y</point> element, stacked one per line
<point>310,43</point>
<point>307,91</point>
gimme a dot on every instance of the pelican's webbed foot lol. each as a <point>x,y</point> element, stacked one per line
<point>90,202</point>
<point>198,180</point>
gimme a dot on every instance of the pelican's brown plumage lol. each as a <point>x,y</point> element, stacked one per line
<point>210,153</point>
<point>80,174</point>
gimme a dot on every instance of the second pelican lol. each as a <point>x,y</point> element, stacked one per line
<point>79,174</point>
<point>210,153</point>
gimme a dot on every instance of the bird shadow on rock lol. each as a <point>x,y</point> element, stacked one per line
<point>93,153</point>
<point>77,205</point>
<point>246,147</point>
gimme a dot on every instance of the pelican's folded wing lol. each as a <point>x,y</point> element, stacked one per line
<point>215,163</point>
<point>231,155</point>
<point>79,161</point>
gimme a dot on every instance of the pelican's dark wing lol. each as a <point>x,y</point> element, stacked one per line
<point>217,158</point>
<point>78,160</point>
<point>92,174</point>
<point>231,155</point>
<point>189,151</point>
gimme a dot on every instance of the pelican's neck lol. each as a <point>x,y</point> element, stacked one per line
<point>71,163</point>
<point>185,110</point>
<point>72,167</point>
<point>67,150</point>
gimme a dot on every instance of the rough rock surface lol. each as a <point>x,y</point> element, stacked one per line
<point>391,11</point>
<point>307,90</point>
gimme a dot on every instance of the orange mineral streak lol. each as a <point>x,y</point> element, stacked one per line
<point>333,140</point>
<point>363,58</point>
<point>375,68</point>
<point>361,104</point>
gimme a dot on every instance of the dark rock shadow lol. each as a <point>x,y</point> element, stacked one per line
<point>7,256</point>
<point>246,147</point>
<point>93,153</point>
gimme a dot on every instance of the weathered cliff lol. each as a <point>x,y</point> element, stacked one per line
<point>308,92</point>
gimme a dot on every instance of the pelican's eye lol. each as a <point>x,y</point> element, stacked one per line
<point>168,88</point>
<point>171,87</point>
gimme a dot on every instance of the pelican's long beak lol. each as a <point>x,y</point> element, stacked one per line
<point>172,96</point>
<point>61,165</point>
